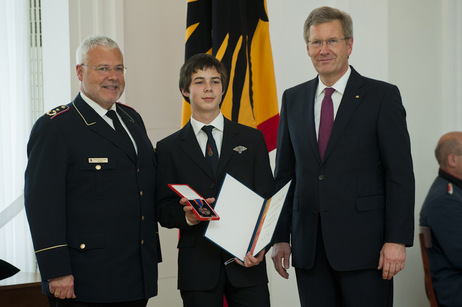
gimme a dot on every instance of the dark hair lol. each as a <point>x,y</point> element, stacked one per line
<point>200,61</point>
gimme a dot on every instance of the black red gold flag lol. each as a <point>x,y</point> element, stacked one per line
<point>236,32</point>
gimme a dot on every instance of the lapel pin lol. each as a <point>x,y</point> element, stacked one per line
<point>357,96</point>
<point>239,149</point>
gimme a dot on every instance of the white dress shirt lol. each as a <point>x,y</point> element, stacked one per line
<point>102,112</point>
<point>218,123</point>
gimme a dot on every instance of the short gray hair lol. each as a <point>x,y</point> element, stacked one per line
<point>92,42</point>
<point>327,14</point>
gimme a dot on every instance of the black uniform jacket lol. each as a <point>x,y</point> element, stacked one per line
<point>90,203</point>
<point>442,212</point>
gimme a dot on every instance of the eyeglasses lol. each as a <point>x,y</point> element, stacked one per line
<point>106,69</point>
<point>333,42</point>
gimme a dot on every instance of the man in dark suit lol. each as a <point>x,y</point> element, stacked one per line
<point>205,271</point>
<point>442,212</point>
<point>89,191</point>
<point>349,214</point>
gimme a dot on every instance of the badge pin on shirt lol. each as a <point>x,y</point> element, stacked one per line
<point>239,149</point>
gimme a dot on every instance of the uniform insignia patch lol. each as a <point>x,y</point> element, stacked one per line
<point>450,189</point>
<point>56,111</point>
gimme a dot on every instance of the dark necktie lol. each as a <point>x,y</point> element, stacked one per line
<point>119,128</point>
<point>327,120</point>
<point>211,152</point>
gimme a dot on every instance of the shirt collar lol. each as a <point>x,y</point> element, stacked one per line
<point>98,109</point>
<point>339,86</point>
<point>450,178</point>
<point>218,123</point>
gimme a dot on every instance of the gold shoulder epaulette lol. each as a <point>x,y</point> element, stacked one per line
<point>56,111</point>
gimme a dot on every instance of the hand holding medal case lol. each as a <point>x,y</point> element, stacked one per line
<point>201,209</point>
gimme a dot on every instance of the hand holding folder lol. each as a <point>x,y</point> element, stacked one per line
<point>250,260</point>
<point>247,220</point>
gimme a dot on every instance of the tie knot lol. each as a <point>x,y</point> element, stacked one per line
<point>111,114</point>
<point>208,129</point>
<point>328,91</point>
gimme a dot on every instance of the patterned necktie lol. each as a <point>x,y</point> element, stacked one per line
<point>119,128</point>
<point>211,152</point>
<point>327,120</point>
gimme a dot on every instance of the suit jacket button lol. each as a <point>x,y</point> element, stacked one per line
<point>321,177</point>
<point>141,193</point>
<point>82,246</point>
<point>142,242</point>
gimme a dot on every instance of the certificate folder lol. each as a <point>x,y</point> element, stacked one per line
<point>247,220</point>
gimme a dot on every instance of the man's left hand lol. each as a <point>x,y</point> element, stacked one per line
<point>392,259</point>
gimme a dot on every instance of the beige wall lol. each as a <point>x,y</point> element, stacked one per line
<point>396,41</point>
<point>154,53</point>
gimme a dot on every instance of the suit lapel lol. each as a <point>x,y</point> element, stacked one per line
<point>230,139</point>
<point>350,101</point>
<point>97,124</point>
<point>134,130</point>
<point>308,117</point>
<point>191,148</point>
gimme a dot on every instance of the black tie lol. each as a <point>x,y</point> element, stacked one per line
<point>119,128</point>
<point>211,152</point>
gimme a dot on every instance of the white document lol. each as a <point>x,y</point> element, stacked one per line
<point>247,221</point>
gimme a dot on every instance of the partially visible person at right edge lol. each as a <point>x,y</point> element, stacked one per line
<point>343,139</point>
<point>442,213</point>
